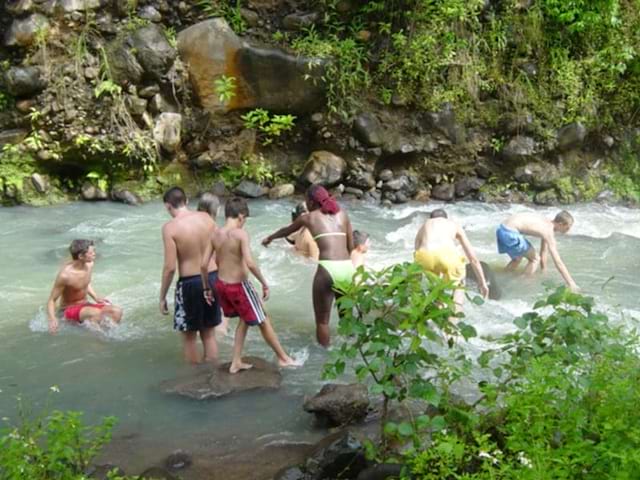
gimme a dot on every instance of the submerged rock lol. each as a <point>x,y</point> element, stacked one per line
<point>291,473</point>
<point>324,168</point>
<point>339,404</point>
<point>495,292</point>
<point>101,472</point>
<point>178,460</point>
<point>218,382</point>
<point>157,473</point>
<point>340,455</point>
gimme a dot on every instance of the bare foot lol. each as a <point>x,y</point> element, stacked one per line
<point>241,366</point>
<point>289,363</point>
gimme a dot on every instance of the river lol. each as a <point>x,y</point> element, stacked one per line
<point>118,373</point>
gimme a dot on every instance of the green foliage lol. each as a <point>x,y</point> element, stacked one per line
<point>395,325</point>
<point>225,88</point>
<point>230,10</point>
<point>625,174</point>
<point>170,33</point>
<point>254,168</point>
<point>99,179</point>
<point>269,126</point>
<point>107,86</point>
<point>6,101</point>
<point>15,167</point>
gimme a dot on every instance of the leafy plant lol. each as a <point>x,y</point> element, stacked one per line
<point>170,33</point>
<point>99,179</point>
<point>269,126</point>
<point>15,167</point>
<point>225,88</point>
<point>230,10</point>
<point>107,86</point>
<point>6,101</point>
<point>254,168</point>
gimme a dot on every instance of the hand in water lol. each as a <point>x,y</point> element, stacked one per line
<point>53,326</point>
<point>484,291</point>
<point>574,288</point>
<point>265,292</point>
<point>266,241</point>
<point>163,307</point>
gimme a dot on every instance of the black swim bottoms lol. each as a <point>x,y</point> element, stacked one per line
<point>192,313</point>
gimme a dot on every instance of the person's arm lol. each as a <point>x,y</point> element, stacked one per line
<point>473,260</point>
<point>204,271</point>
<point>553,251</point>
<point>92,293</point>
<point>251,264</point>
<point>419,239</point>
<point>168,269</point>
<point>56,292</point>
<point>349,234</point>
<point>298,223</point>
<point>544,250</point>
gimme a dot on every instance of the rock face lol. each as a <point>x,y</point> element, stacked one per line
<point>340,455</point>
<point>250,189</point>
<point>265,78</point>
<point>23,31</point>
<point>368,130</point>
<point>153,51</point>
<point>468,185</point>
<point>444,191</point>
<point>339,404</point>
<point>519,148</point>
<point>539,175</point>
<point>571,136</point>
<point>92,193</point>
<point>218,383</point>
<point>282,191</point>
<point>166,132</point>
<point>324,168</point>
<point>24,81</point>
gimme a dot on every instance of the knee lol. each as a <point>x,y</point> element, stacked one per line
<point>322,335</point>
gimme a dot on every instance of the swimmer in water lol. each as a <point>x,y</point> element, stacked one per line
<point>302,241</point>
<point>511,240</point>
<point>73,284</point>
<point>436,251</point>
<point>361,244</point>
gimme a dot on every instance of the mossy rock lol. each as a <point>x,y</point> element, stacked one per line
<point>179,174</point>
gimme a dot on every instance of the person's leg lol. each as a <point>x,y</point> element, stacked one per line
<point>190,347</point>
<point>513,264</point>
<point>90,314</point>
<point>269,335</point>
<point>208,338</point>
<point>223,328</point>
<point>113,312</point>
<point>322,302</point>
<point>534,261</point>
<point>238,345</point>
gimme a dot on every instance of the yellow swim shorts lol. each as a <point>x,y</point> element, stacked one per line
<point>446,261</point>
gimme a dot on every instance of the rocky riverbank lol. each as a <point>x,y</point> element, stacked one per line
<point>118,99</point>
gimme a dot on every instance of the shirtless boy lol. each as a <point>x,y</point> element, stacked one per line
<point>185,238</point>
<point>302,240</point>
<point>237,296</point>
<point>436,251</point>
<point>73,284</point>
<point>511,240</point>
<point>360,247</point>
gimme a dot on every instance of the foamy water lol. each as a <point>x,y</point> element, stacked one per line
<point>117,372</point>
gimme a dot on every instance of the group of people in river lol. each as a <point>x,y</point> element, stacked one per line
<point>214,264</point>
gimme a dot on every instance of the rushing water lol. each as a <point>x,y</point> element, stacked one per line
<point>118,373</point>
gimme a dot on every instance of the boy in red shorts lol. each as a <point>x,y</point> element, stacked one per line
<point>237,296</point>
<point>73,284</point>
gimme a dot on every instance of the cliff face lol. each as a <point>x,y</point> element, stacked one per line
<point>119,98</point>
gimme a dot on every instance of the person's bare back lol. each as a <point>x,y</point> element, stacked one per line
<point>436,233</point>
<point>190,233</point>
<point>232,267</point>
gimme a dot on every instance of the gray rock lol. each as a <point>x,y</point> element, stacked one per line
<point>157,473</point>
<point>368,130</point>
<point>159,104</point>
<point>91,193</point>
<point>519,148</point>
<point>400,197</point>
<point>356,192</point>
<point>385,175</point>
<point>150,13</point>
<point>23,31</point>
<point>324,168</point>
<point>125,196</point>
<point>300,21</point>
<point>516,123</point>
<point>125,7</point>
<point>24,81</point>
<point>218,382</point>
<point>530,69</point>
<point>539,175</point>
<point>13,136</point>
<point>123,64</point>
<point>571,136</point>
<point>40,183</point>
<point>19,7</point>
<point>68,6</point>
<point>101,472</point>
<point>105,23</point>
<point>546,197</point>
<point>136,105</point>
<point>250,189</point>
<point>178,460</point>
<point>153,51</point>
<point>282,191</point>
<point>340,455</point>
<point>444,192</point>
<point>149,91</point>
<point>606,196</point>
<point>251,17</point>
<point>467,185</point>
<point>444,121</point>
<point>167,132</point>
<point>361,179</point>
<point>290,473</point>
<point>405,183</point>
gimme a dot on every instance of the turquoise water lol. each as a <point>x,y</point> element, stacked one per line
<point>118,373</point>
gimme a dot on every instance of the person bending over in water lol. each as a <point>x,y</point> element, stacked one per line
<point>210,203</point>
<point>360,247</point>
<point>302,241</point>
<point>73,284</point>
<point>436,251</point>
<point>511,240</point>
<point>237,296</point>
<point>331,229</point>
<point>185,238</point>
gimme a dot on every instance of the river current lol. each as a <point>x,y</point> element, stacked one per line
<point>118,373</point>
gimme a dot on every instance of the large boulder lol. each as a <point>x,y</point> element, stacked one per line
<point>282,191</point>
<point>571,136</point>
<point>539,175</point>
<point>444,191</point>
<point>368,130</point>
<point>167,132</point>
<point>265,78</point>
<point>324,168</point>
<point>24,81</point>
<point>23,31</point>
<point>468,185</point>
<point>153,51</point>
<point>250,189</point>
<point>123,64</point>
<point>215,383</point>
<point>520,148</point>
<point>340,455</point>
<point>444,122</point>
<point>339,404</point>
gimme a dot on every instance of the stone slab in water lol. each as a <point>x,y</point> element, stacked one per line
<point>218,382</point>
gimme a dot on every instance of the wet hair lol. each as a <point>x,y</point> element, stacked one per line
<point>564,218</point>
<point>359,238</point>
<point>175,197</point>
<point>209,203</point>
<point>79,247</point>
<point>439,213</point>
<point>235,207</point>
<point>319,195</point>
<point>299,210</point>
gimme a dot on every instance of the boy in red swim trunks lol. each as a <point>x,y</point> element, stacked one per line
<point>237,296</point>
<point>73,284</point>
